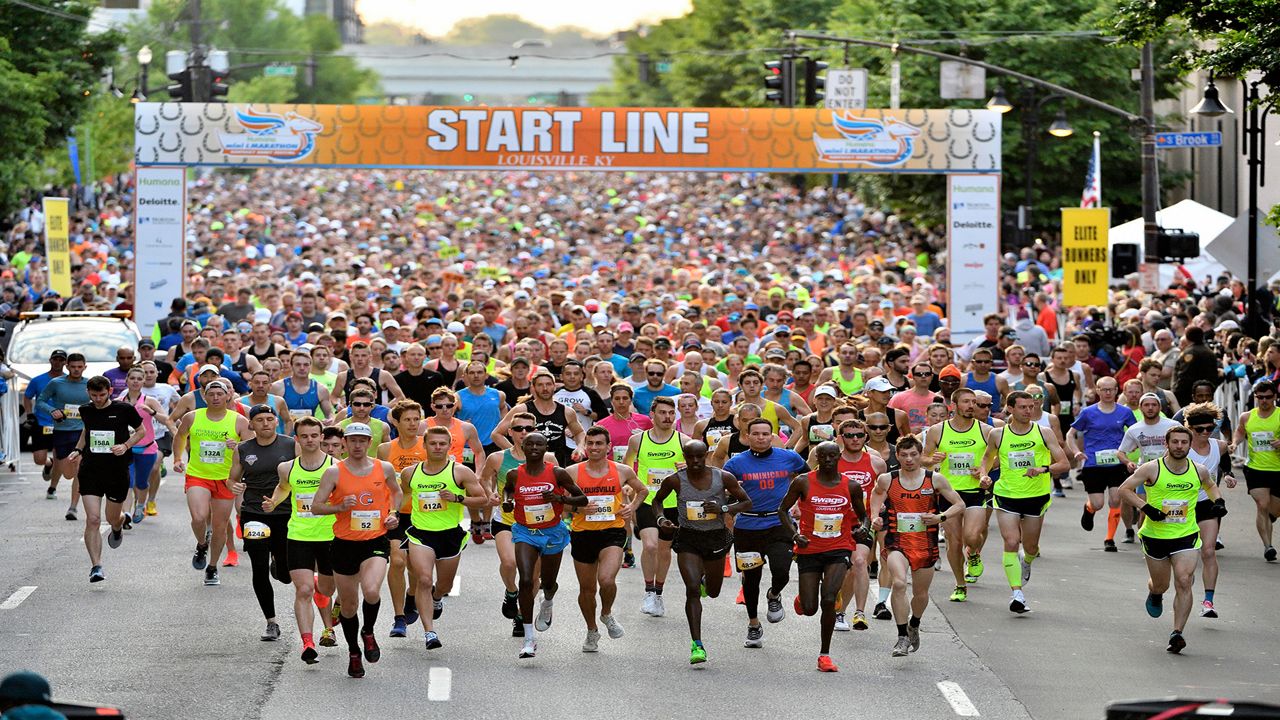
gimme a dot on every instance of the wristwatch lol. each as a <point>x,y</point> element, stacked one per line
<point>724,509</point>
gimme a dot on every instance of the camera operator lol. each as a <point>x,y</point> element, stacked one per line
<point>1196,362</point>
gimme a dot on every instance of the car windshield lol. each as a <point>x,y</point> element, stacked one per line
<point>95,339</point>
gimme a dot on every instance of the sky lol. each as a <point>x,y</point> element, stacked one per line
<point>435,17</point>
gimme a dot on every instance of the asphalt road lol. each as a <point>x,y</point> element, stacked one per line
<point>156,642</point>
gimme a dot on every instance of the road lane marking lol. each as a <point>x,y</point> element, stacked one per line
<point>959,701</point>
<point>17,597</point>
<point>457,587</point>
<point>439,684</point>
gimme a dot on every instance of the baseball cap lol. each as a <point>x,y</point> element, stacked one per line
<point>59,353</point>
<point>877,384</point>
<point>876,323</point>
<point>209,368</point>
<point>1227,325</point>
<point>456,327</point>
<point>390,324</point>
<point>781,330</point>
<point>433,341</point>
<point>521,295</point>
<point>625,326</point>
<point>435,321</point>
<point>26,687</point>
<point>244,327</point>
<point>144,342</point>
<point>663,342</point>
<point>950,371</point>
<point>830,391</point>
<point>260,409</point>
<point>637,357</point>
<point>358,429</point>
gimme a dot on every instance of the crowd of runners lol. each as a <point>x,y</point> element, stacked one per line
<point>372,372</point>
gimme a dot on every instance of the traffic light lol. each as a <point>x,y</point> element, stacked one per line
<point>1176,245</point>
<point>218,88</point>
<point>813,84</point>
<point>779,81</point>
<point>182,89</point>
<point>219,64</point>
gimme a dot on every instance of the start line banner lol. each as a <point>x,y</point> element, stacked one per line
<point>569,138</point>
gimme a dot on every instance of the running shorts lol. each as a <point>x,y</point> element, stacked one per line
<point>113,485</point>
<point>1097,479</point>
<point>218,489</point>
<point>646,519</point>
<point>818,562</point>
<point>312,555</point>
<point>1163,549</point>
<point>763,541</point>
<point>348,555</point>
<point>706,544</point>
<point>446,544</point>
<point>42,438</point>
<point>1026,507</point>
<point>64,441</point>
<point>586,545</point>
<point>548,541</point>
<point>1262,480</point>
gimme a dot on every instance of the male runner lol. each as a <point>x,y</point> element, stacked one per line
<point>656,454</point>
<point>830,504</point>
<point>598,533</point>
<point>1027,457</point>
<point>302,394</point>
<point>555,422</point>
<point>703,539</point>
<point>42,430</point>
<point>61,400</point>
<point>438,488</point>
<point>1260,429</point>
<point>909,497</point>
<point>529,493</point>
<point>765,473</point>
<point>1101,427</point>
<point>110,429</point>
<point>208,437</point>
<point>403,452</point>
<point>364,495</point>
<point>858,465</point>
<point>255,473</point>
<point>1144,438</point>
<point>1170,537</point>
<point>1210,453</point>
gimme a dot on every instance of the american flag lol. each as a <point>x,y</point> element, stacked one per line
<point>1092,195</point>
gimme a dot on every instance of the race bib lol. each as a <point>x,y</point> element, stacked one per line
<point>695,510</point>
<point>1261,441</point>
<point>538,514</point>
<point>656,476</point>
<point>1152,452</point>
<point>296,414</point>
<point>1064,406</point>
<point>430,502</point>
<point>619,453</point>
<point>1021,460</point>
<point>213,452</point>
<point>714,435</point>
<point>1106,457</point>
<point>911,522</point>
<point>1175,511</point>
<point>304,505</point>
<point>821,433</point>
<point>46,429</point>
<point>605,510</point>
<point>468,456</point>
<point>256,531</point>
<point>71,412</point>
<point>748,560</point>
<point>828,525</point>
<point>366,520</point>
<point>960,463</point>
<point>100,441</point>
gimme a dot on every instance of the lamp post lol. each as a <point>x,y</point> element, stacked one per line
<point>144,64</point>
<point>1060,128</point>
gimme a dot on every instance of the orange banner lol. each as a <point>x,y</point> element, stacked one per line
<point>551,138</point>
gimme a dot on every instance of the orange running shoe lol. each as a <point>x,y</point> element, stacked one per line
<point>826,664</point>
<point>233,559</point>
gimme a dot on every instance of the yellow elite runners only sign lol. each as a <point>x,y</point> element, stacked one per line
<point>1085,256</point>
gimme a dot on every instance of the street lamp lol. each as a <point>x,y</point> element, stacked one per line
<point>1060,127</point>
<point>1210,106</point>
<point>144,64</point>
<point>999,102</point>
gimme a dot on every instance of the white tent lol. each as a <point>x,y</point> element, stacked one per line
<point>1190,216</point>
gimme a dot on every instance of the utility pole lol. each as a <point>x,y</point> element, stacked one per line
<point>1150,170</point>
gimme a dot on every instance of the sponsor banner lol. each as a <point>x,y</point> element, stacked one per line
<point>57,244</point>
<point>161,228</point>
<point>555,138</point>
<point>973,262</point>
<point>1086,262</point>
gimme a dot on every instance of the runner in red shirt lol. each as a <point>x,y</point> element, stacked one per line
<point>859,465</point>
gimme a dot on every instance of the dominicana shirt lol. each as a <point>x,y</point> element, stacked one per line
<point>765,477</point>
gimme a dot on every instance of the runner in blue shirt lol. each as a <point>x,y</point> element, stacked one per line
<point>42,431</point>
<point>1101,427</point>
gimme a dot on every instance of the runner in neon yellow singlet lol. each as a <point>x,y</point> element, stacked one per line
<point>1259,431</point>
<point>656,454</point>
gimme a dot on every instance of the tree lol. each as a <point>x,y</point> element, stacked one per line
<point>50,71</point>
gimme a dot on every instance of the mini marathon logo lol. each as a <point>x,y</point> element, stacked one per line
<point>285,138</point>
<point>883,143</point>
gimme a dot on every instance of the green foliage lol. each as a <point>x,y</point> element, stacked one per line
<point>262,90</point>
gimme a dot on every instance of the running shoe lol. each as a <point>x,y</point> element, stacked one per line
<point>211,576</point>
<point>970,579</point>
<point>486,530</point>
<point>71,514</point>
<point>611,624</point>
<point>975,566</point>
<point>755,636</point>
<point>1155,605</point>
<point>842,625</point>
<point>628,559</point>
<point>126,522</point>
<point>328,639</point>
<point>433,641</point>
<point>355,668</point>
<point>47,474</point>
<point>1207,611</point>
<point>1109,546</point>
<point>960,594</point>
<point>517,627</point>
<point>913,636</point>
<point>1086,520</point>
<point>1269,554</point>
<point>697,654</point>
<point>881,612</point>
<point>398,629</point>
<point>1176,643</point>
<point>201,559</point>
<point>775,612</point>
<point>309,654</point>
<point>152,510</point>
<point>543,621</point>
<point>530,649</point>
<point>233,559</point>
<point>826,664</point>
<point>138,514</point>
<point>798,607</point>
<point>1059,493</point>
<point>659,609</point>
<point>1026,569</point>
<point>873,569</point>
<point>647,606</point>
<point>902,647</point>
<point>860,620</point>
<point>115,537</point>
<point>372,652</point>
<point>510,605</point>
<point>51,493</point>
<point>1217,545</point>
<point>437,608</point>
<point>1128,536</point>
<point>477,535</point>
<point>96,575</point>
<point>410,610</point>
<point>272,633</point>
<point>592,643</point>
<point>335,612</point>
<point>1018,603</point>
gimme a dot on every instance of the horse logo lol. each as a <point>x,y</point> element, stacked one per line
<point>887,142</point>
<point>284,138</point>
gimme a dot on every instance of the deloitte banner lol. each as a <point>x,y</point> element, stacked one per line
<point>973,260</point>
<point>562,138</point>
<point>159,212</point>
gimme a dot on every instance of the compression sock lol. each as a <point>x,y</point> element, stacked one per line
<point>351,631</point>
<point>902,629</point>
<point>1012,569</point>
<point>1113,522</point>
<point>884,594</point>
<point>1208,595</point>
<point>370,615</point>
<point>915,621</point>
<point>307,639</point>
<point>1028,558</point>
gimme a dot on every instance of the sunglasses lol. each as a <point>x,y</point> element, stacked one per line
<point>442,406</point>
<point>1037,397</point>
<point>364,404</point>
<point>878,427</point>
<point>1202,428</point>
<point>853,436</point>
<point>656,374</point>
<point>1034,365</point>
<point>984,405</point>
<point>981,362</point>
<point>1264,397</point>
<point>523,428</point>
<point>922,373</point>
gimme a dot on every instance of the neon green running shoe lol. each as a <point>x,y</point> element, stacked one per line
<point>697,654</point>
<point>959,594</point>
<point>975,565</point>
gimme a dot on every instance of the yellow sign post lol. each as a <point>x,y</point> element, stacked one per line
<point>57,245</point>
<point>1086,261</point>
